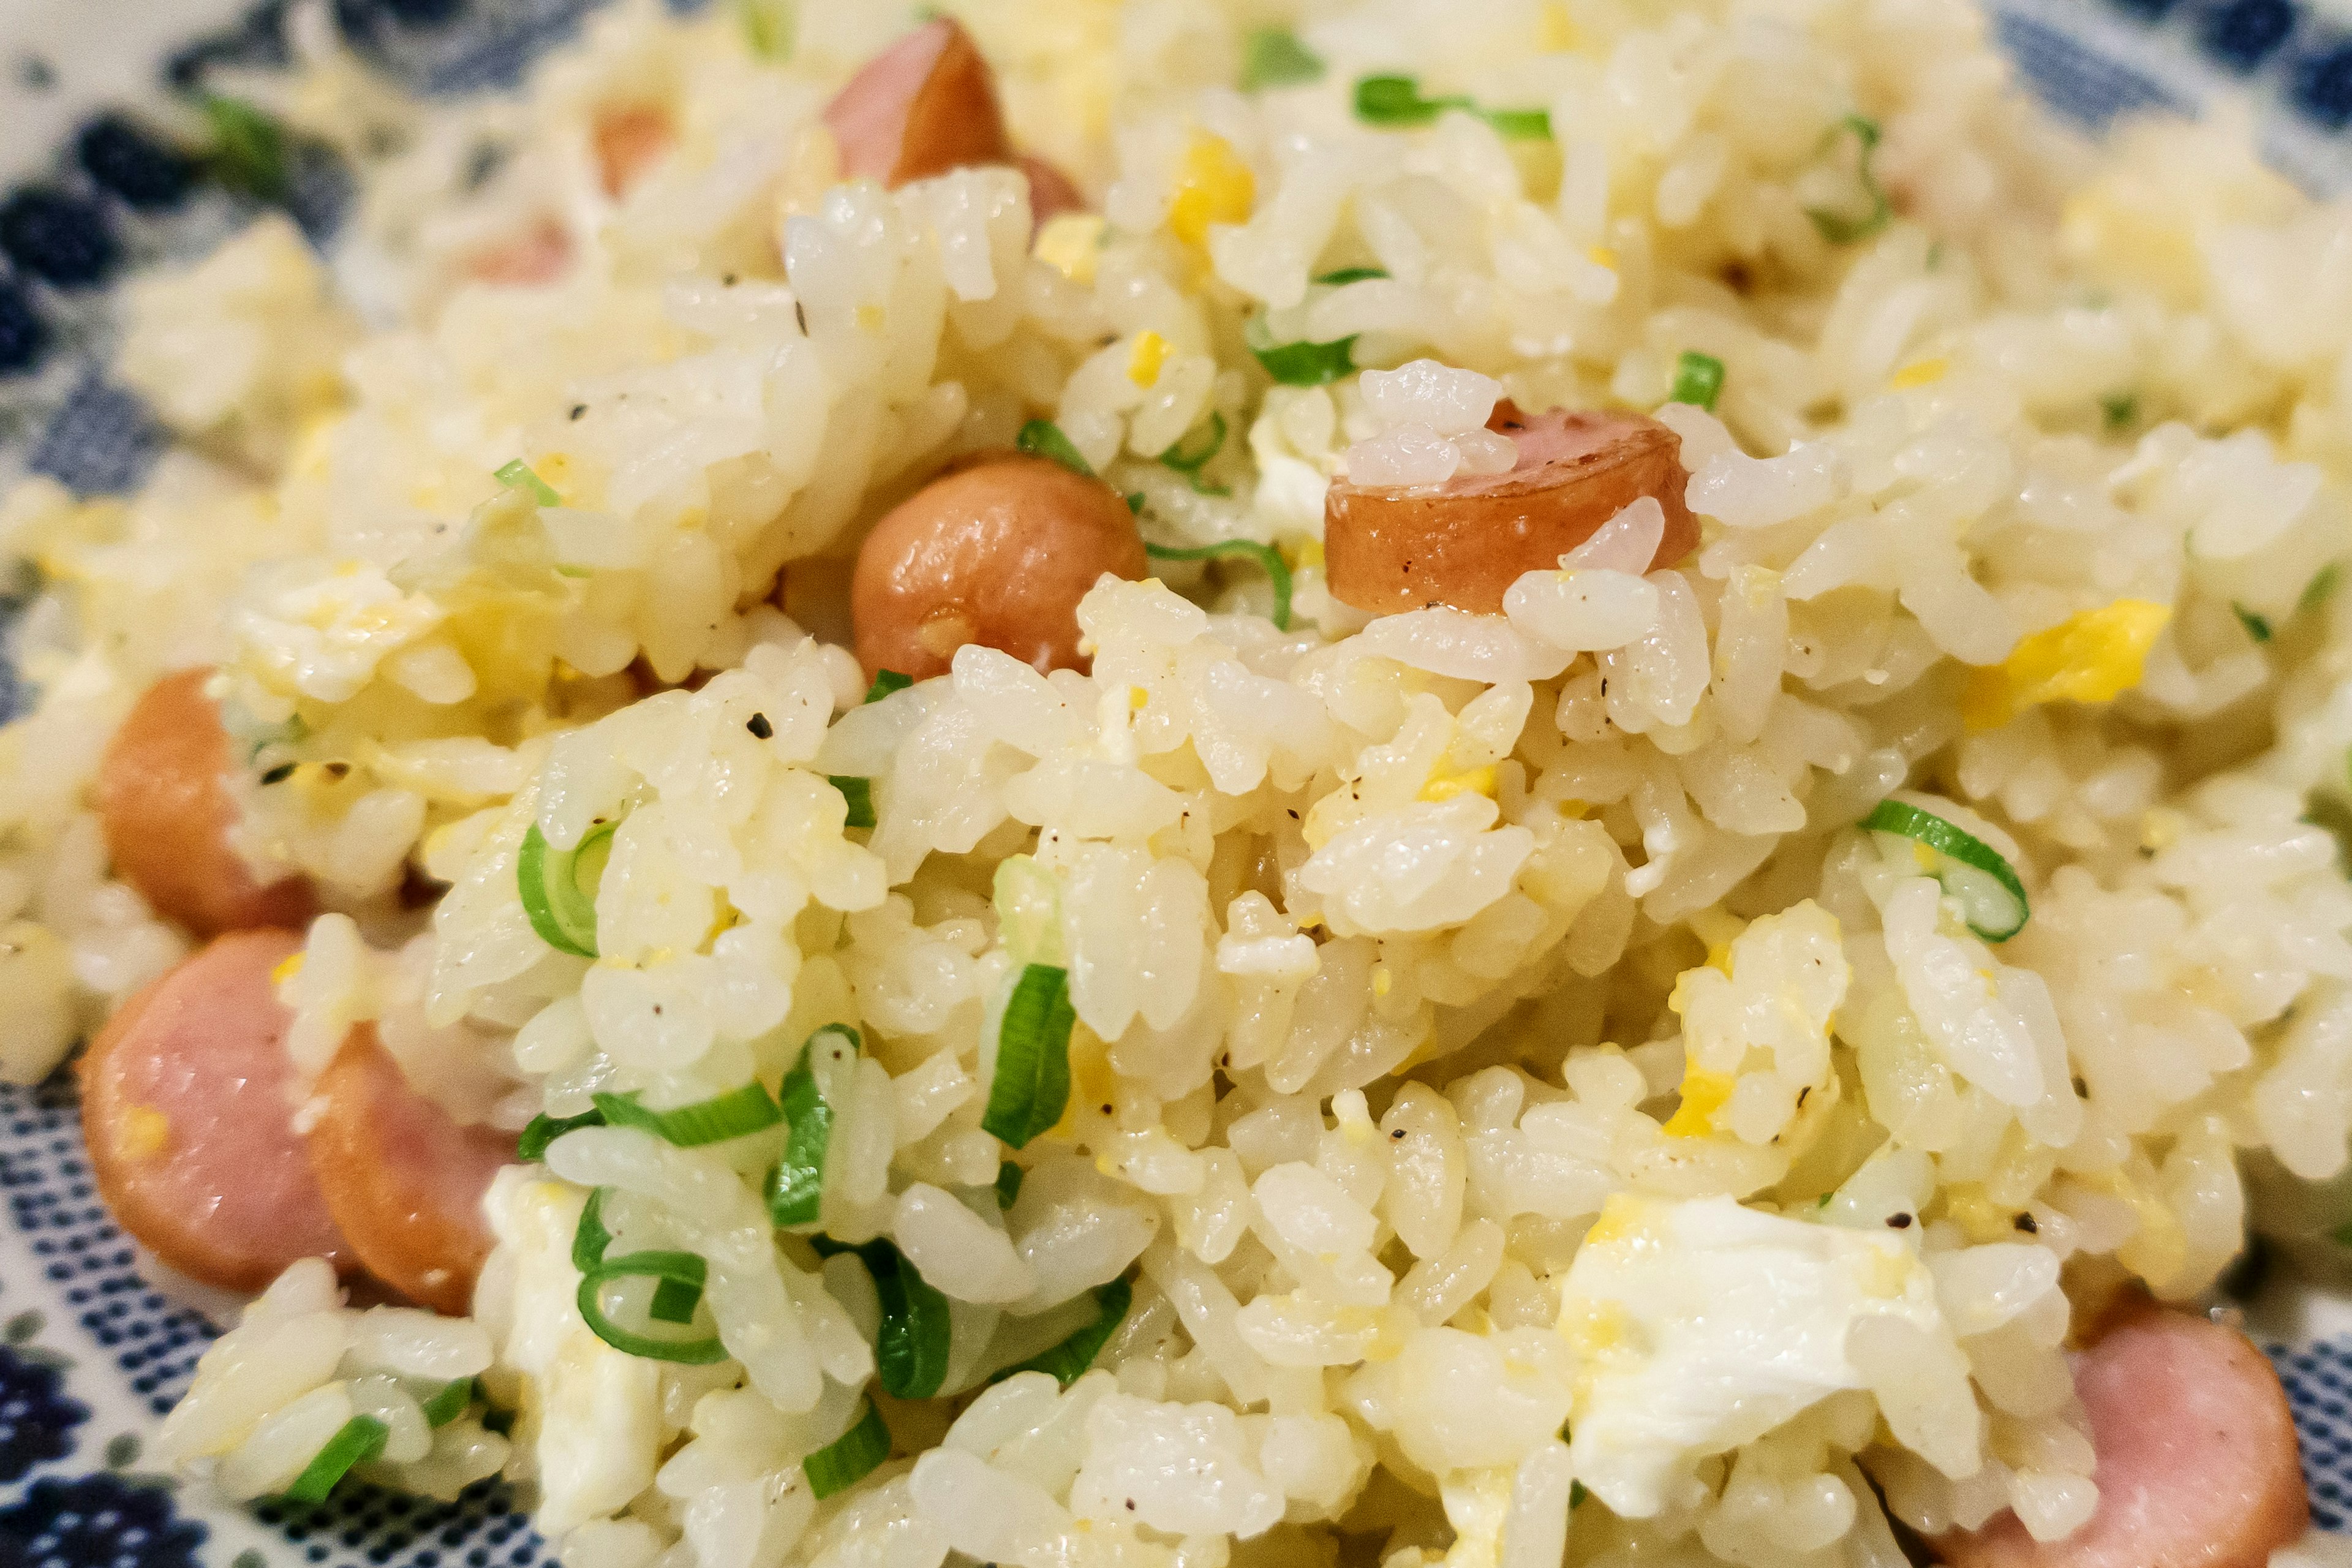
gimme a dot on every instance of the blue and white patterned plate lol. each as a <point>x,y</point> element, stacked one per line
<point>91,1354</point>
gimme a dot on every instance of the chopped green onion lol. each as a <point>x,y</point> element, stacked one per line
<point>1347,275</point>
<point>1825,1198</point>
<point>1577,1494</point>
<point>1519,124</point>
<point>1299,364</point>
<point>248,151</point>
<point>2257,626</point>
<point>447,1403</point>
<point>677,1295</point>
<point>734,1114</point>
<point>1277,570</point>
<point>1135,503</point>
<point>2118,411</point>
<point>2321,587</point>
<point>355,1442</point>
<point>1397,101</point>
<point>521,476</point>
<point>558,887</point>
<point>910,1348</point>
<point>1273,58</point>
<point>1699,380</point>
<point>1836,227</point>
<point>590,1238</point>
<point>797,1186</point>
<point>850,1457</point>
<point>1043,438</point>
<point>1189,460</point>
<point>1032,1082</point>
<point>888,683</point>
<point>859,794</point>
<point>543,1130</point>
<point>768,27</point>
<point>1990,895</point>
<point>686,1351</point>
<point>1009,1177</point>
<point>1069,1360</point>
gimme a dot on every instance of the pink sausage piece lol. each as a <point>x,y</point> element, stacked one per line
<point>923,106</point>
<point>1051,191</point>
<point>630,139</point>
<point>167,816</point>
<point>2196,1463</point>
<point>186,1112</point>
<point>403,1181</point>
<point>1466,541</point>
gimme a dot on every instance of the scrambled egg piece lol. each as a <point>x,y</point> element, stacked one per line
<point>2093,656</point>
<point>1213,188</point>
<point>1722,1323</point>
<point>592,1414</point>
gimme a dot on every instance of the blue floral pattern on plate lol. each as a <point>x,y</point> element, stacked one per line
<point>91,1354</point>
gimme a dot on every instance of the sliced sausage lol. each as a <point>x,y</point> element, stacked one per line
<point>923,106</point>
<point>167,815</point>
<point>404,1182</point>
<point>1051,191</point>
<point>2196,1463</point>
<point>998,554</point>
<point>538,255</point>
<point>186,1109</point>
<point>630,138</point>
<point>1466,541</point>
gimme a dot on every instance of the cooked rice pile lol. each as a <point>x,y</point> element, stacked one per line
<point>1503,1072</point>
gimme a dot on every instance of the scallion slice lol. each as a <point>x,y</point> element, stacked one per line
<point>248,152</point>
<point>1699,380</point>
<point>521,476</point>
<point>589,1238</point>
<point>1277,570</point>
<point>2258,626</point>
<point>651,1343</point>
<point>1396,101</point>
<point>1299,364</point>
<point>1032,1082</point>
<point>2321,587</point>
<point>1009,1177</point>
<point>910,1349</point>
<point>1836,227</point>
<point>1519,124</point>
<point>558,887</point>
<point>448,1402</point>
<point>1189,460</point>
<point>859,794</point>
<point>797,1186</point>
<point>1275,58</point>
<point>1991,898</point>
<point>355,1442</point>
<point>543,1130</point>
<point>850,1457</point>
<point>1347,275</point>
<point>734,1114</point>
<point>888,683</point>
<point>1069,1360</point>
<point>679,1292</point>
<point>1043,438</point>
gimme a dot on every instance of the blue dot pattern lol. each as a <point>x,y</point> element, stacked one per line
<point>87,1264</point>
<point>98,1521</point>
<point>2318,1383</point>
<point>36,1418</point>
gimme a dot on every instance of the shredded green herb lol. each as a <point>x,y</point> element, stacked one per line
<point>859,794</point>
<point>1347,275</point>
<point>1837,227</point>
<point>1043,438</point>
<point>1273,58</point>
<point>248,151</point>
<point>1277,570</point>
<point>2257,626</point>
<point>1009,1177</point>
<point>1396,102</point>
<point>887,683</point>
<point>1699,380</point>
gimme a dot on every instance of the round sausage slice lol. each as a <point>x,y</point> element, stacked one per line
<point>1466,541</point>
<point>923,106</point>
<point>186,1110</point>
<point>2196,1464</point>
<point>167,815</point>
<point>998,554</point>
<point>403,1180</point>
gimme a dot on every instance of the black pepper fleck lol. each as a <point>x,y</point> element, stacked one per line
<point>578,409</point>
<point>760,727</point>
<point>278,774</point>
<point>2026,1222</point>
<point>1898,1222</point>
